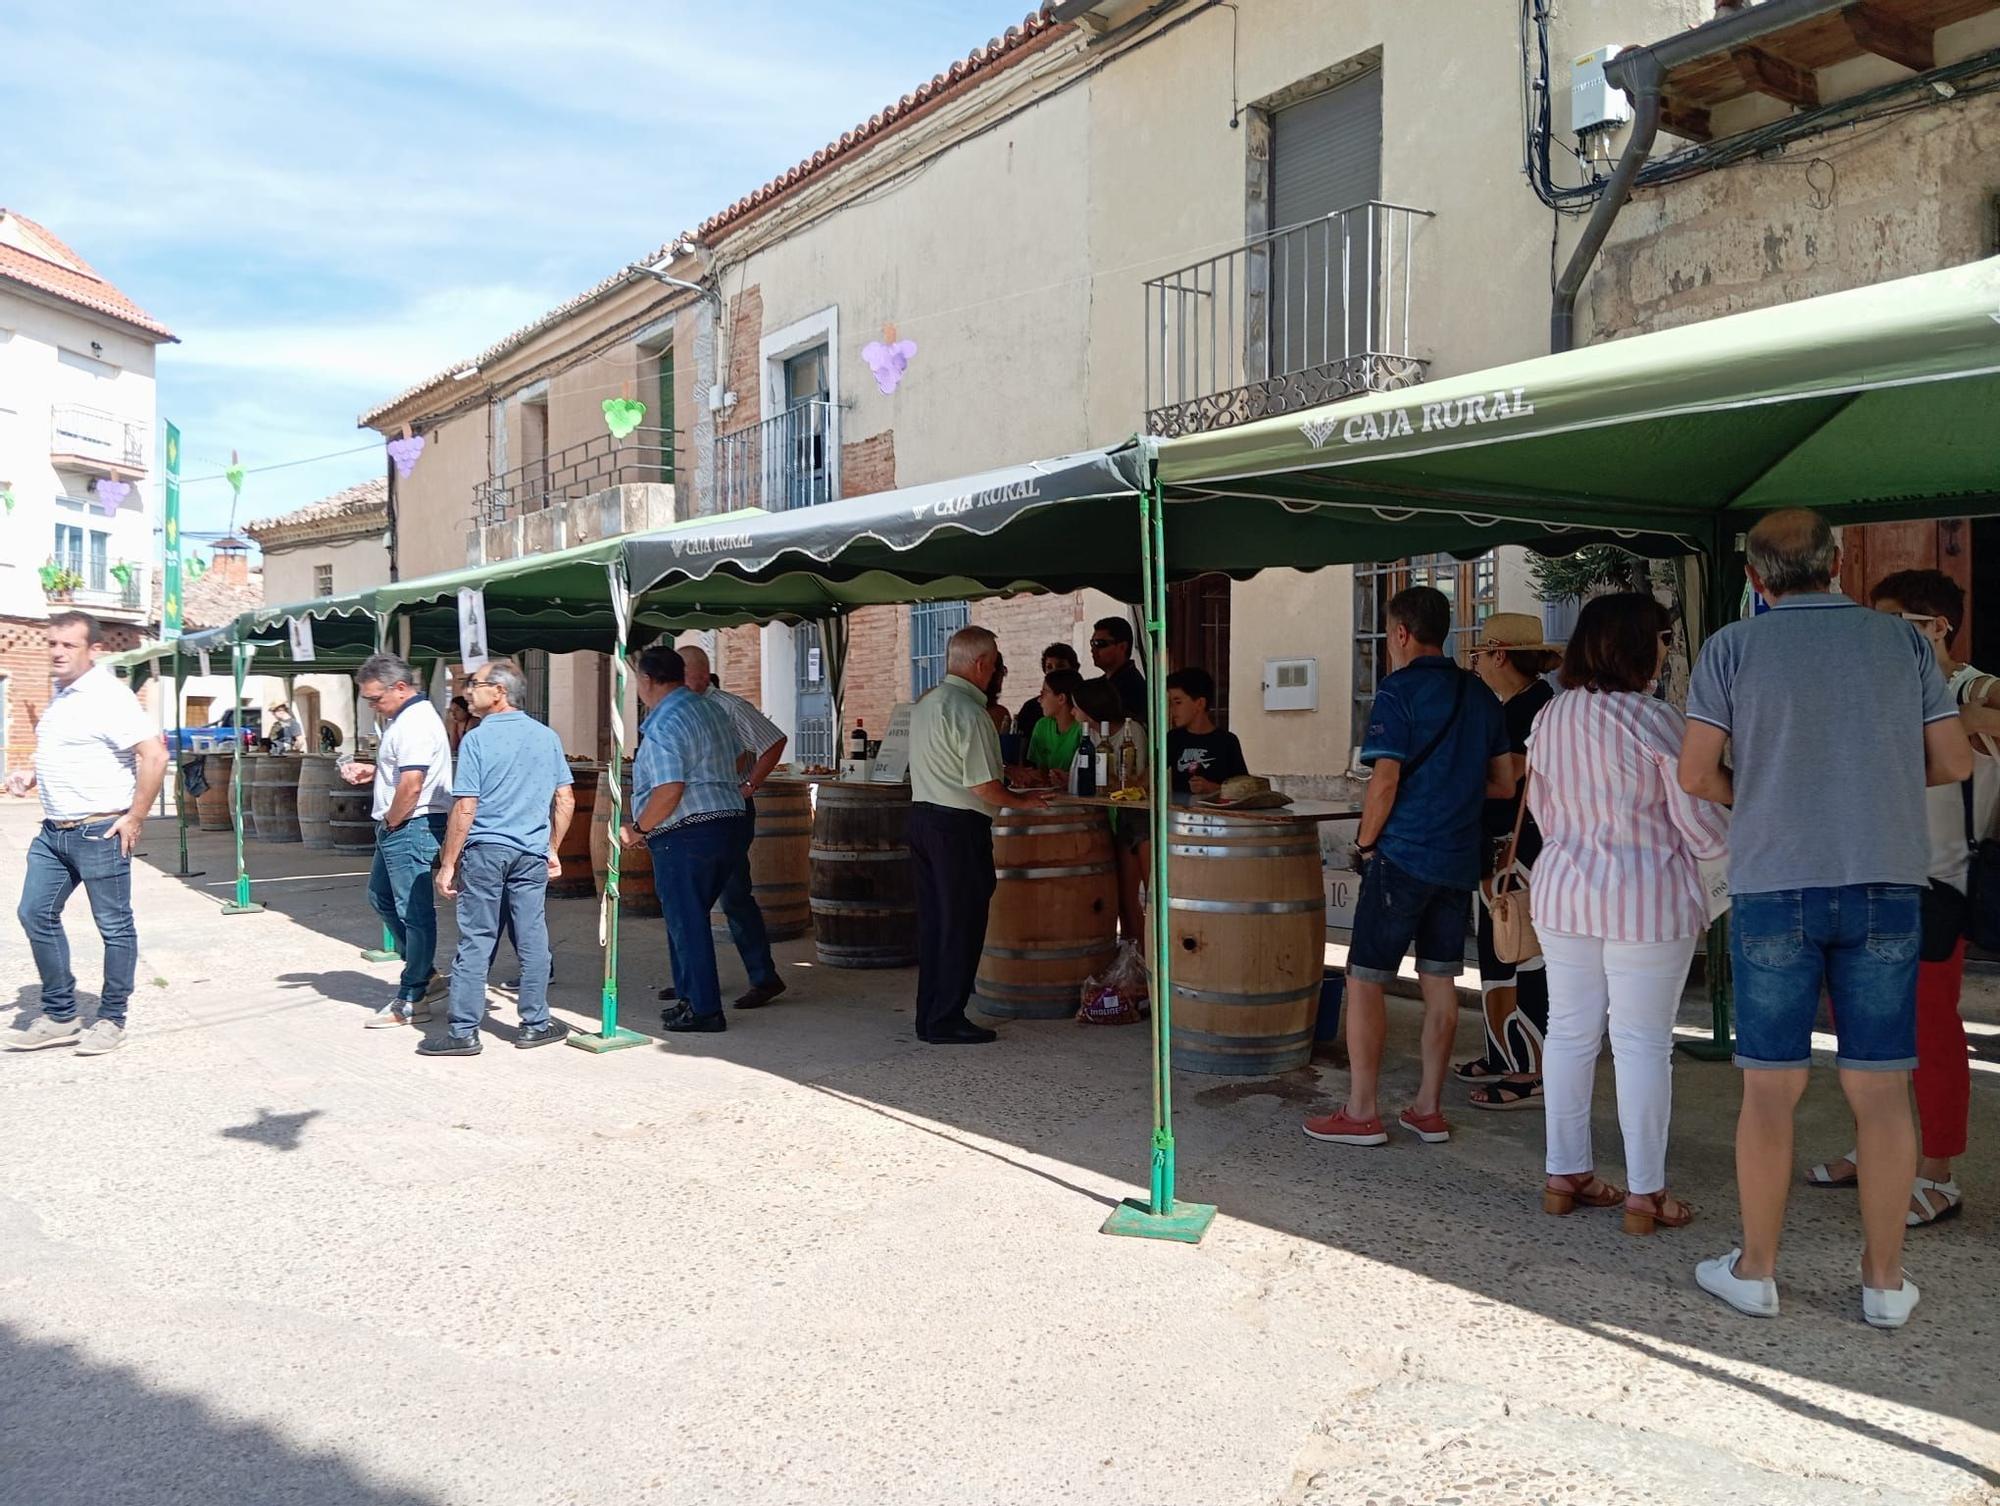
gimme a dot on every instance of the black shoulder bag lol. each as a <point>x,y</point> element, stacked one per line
<point>1982,885</point>
<point>1457,704</point>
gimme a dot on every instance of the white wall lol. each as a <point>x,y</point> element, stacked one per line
<point>32,381</point>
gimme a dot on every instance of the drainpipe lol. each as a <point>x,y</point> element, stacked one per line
<point>1641,72</point>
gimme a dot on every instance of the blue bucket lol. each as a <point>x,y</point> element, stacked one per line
<point>1326,1027</point>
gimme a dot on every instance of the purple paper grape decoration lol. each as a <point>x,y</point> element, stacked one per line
<point>405,451</point>
<point>888,358</point>
<point>112,493</point>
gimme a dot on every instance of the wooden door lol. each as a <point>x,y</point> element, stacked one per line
<point>1870,552</point>
<point>1198,633</point>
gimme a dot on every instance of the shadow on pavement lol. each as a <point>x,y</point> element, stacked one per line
<point>279,1131</point>
<point>82,1433</point>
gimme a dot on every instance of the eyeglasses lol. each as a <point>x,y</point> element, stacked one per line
<point>1102,642</point>
<point>1919,618</point>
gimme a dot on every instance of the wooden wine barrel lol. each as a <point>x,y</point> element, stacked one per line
<point>350,821</point>
<point>1054,916</point>
<point>574,849</point>
<point>319,777</point>
<point>780,848</point>
<point>863,889</point>
<point>636,895</point>
<point>211,807</point>
<point>1246,925</point>
<point>274,796</point>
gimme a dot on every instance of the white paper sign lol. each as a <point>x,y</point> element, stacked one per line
<point>205,670</point>
<point>1714,884</point>
<point>472,628</point>
<point>892,759</point>
<point>302,639</point>
<point>812,666</point>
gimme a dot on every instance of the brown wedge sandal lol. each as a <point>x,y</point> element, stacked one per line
<point>1656,1210</point>
<point>1585,1191</point>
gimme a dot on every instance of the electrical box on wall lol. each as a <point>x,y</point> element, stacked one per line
<point>1593,104</point>
<point>1291,684</point>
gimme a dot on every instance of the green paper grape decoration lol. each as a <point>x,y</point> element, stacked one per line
<point>622,415</point>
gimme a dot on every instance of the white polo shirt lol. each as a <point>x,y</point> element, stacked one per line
<point>85,744</point>
<point>414,739</point>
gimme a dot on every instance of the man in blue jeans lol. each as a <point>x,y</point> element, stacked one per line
<point>411,776</point>
<point>687,807</point>
<point>511,805</point>
<point>1837,719</point>
<point>99,760</point>
<point>1437,742</point>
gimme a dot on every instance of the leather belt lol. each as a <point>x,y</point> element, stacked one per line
<point>84,821</point>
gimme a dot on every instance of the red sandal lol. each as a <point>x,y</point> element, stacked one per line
<point>1584,1191</point>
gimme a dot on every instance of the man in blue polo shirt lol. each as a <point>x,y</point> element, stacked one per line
<point>1438,745</point>
<point>511,805</point>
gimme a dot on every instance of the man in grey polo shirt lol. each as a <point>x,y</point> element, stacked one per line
<point>511,805</point>
<point>1829,848</point>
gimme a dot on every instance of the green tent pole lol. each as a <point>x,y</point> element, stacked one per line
<point>1722,590</point>
<point>610,1035</point>
<point>244,905</point>
<point>1162,1215</point>
<point>180,781</point>
<point>388,950</point>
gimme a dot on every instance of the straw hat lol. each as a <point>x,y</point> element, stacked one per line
<point>1517,632</point>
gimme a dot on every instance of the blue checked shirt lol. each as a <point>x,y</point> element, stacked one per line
<point>690,741</point>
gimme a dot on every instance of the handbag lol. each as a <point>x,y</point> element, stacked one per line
<point>1981,924</point>
<point>1514,938</point>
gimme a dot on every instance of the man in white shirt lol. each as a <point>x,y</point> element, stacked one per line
<point>763,745</point>
<point>99,761</point>
<point>412,779</point>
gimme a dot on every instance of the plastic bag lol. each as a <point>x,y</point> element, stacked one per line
<point>1116,996</point>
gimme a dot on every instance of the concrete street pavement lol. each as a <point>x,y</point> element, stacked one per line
<point>263,1255</point>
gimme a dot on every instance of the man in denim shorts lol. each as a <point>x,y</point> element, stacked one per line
<point>1829,848</point>
<point>1438,745</point>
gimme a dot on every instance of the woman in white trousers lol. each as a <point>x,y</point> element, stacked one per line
<point>1617,901</point>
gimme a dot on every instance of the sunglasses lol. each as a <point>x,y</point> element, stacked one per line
<point>1102,642</point>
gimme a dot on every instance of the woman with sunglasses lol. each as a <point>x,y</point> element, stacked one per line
<point>1933,603</point>
<point>1618,901</point>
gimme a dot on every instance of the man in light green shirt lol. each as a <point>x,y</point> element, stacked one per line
<point>956,783</point>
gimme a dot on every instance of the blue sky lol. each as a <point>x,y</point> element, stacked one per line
<point>329,203</point>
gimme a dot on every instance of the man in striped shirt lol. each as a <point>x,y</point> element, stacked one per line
<point>763,744</point>
<point>687,807</point>
<point>99,762</point>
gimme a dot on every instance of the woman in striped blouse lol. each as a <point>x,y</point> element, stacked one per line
<point>1617,901</point>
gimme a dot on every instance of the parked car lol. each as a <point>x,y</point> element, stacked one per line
<point>245,724</point>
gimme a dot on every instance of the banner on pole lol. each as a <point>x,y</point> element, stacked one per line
<point>205,670</point>
<point>472,628</point>
<point>170,572</point>
<point>302,639</point>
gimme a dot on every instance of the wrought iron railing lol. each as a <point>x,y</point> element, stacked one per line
<point>784,462</point>
<point>1302,316</point>
<point>93,434</point>
<point>581,470</point>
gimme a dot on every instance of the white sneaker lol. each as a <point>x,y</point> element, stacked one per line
<point>1885,1309</point>
<point>1754,1299</point>
<point>396,1013</point>
<point>102,1038</point>
<point>38,1032</point>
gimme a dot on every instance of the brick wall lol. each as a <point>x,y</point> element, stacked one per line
<point>1025,625</point>
<point>746,330</point>
<point>24,660</point>
<point>739,655</point>
<point>878,668</point>
<point>868,465</point>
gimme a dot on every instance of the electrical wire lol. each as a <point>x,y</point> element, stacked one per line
<point>282,465</point>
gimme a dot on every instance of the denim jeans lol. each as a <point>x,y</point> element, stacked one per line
<point>492,875</point>
<point>1395,909</point>
<point>399,887</point>
<point>1859,943</point>
<point>739,908</point>
<point>691,863</point>
<point>59,859</point>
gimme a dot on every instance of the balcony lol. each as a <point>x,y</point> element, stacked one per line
<point>98,443</point>
<point>594,490</point>
<point>782,463</point>
<point>1293,319</point>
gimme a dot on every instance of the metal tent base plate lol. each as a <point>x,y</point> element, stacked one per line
<point>381,954</point>
<point>619,1039</point>
<point>1185,1223</point>
<point>249,908</point>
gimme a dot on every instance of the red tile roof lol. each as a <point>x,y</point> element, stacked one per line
<point>1039,25</point>
<point>64,274</point>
